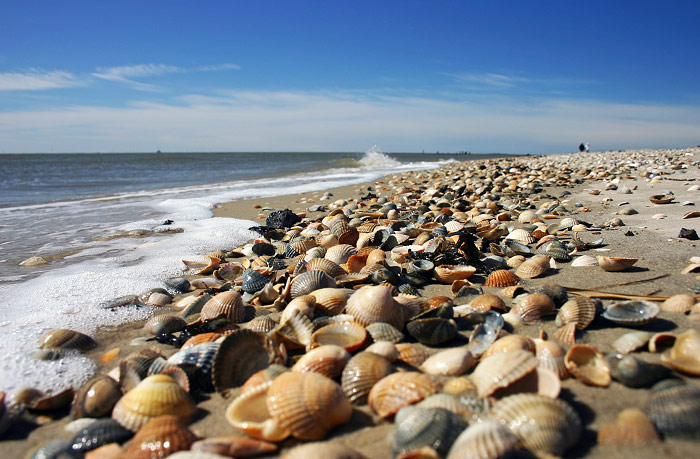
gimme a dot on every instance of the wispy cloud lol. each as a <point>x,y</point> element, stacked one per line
<point>127,74</point>
<point>490,79</point>
<point>34,80</point>
<point>524,85</point>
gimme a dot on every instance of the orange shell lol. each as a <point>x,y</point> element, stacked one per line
<point>228,304</point>
<point>630,428</point>
<point>450,273</point>
<point>533,267</point>
<point>397,390</point>
<point>160,437</point>
<point>501,278</point>
<point>533,307</point>
<point>487,302</point>
<point>588,365</point>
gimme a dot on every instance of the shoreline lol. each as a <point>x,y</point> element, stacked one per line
<point>595,405</point>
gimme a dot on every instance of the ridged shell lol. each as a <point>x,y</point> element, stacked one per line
<point>397,390</point>
<point>674,408</point>
<point>521,235</point>
<point>614,264</point>
<point>510,343</point>
<point>544,425</point>
<point>307,404</point>
<point>566,334</point>
<point>550,355</point>
<point>249,412</point>
<point>501,278</point>
<point>484,440</point>
<point>680,304</point>
<point>331,300</point>
<point>579,310</point>
<point>631,428</point>
<point>413,354</point>
<point>327,266</point>
<point>161,437</point>
<point>254,281</point>
<point>154,396</point>
<point>487,302</point>
<point>450,273</point>
<point>533,267</point>
<point>418,427</point>
<point>98,433</point>
<point>348,335</point>
<point>381,331</point>
<point>307,282</point>
<point>164,323</point>
<point>685,353</point>
<point>588,365</point>
<point>202,357</point>
<point>533,307</point>
<point>432,331</point>
<point>62,338</point>
<point>226,304</point>
<point>329,360</point>
<point>527,216</point>
<point>372,304</point>
<point>340,253</point>
<point>631,313</point>
<point>260,324</point>
<point>240,355</point>
<point>384,349</point>
<point>96,398</point>
<point>631,341</point>
<point>361,373</point>
<point>450,362</point>
<point>502,369</point>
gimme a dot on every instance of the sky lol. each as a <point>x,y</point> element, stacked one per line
<point>408,76</point>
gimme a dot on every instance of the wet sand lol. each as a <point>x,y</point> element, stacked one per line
<point>662,255</point>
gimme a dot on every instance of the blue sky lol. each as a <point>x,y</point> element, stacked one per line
<point>511,76</point>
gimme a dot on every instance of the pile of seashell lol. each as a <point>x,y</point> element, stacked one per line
<point>308,323</point>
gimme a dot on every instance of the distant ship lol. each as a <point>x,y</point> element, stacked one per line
<point>158,151</point>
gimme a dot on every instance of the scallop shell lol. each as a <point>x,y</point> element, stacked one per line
<point>381,331</point>
<point>260,324</point>
<point>202,357</point>
<point>502,369</point>
<point>254,281</point>
<point>533,307</point>
<point>397,390</point>
<point>450,273</point>
<point>375,304</point>
<point>681,303</point>
<point>450,362</point>
<point>614,264</point>
<point>164,323</point>
<point>154,396</point>
<point>160,437</point>
<point>327,266</point>
<point>484,440</point>
<point>566,334</point>
<point>432,331</point>
<point>533,267</point>
<point>348,335</point>
<point>550,355</point>
<point>527,216</point>
<point>631,341</point>
<point>588,365</point>
<point>340,253</point>
<point>413,354</point>
<point>96,398</point>
<point>331,300</point>
<point>240,355</point>
<point>584,260</point>
<point>545,425</point>
<point>674,408</point>
<point>249,413</point>
<point>521,235</point>
<point>62,338</point>
<point>307,282</point>
<point>328,360</point>
<point>361,373</point>
<point>307,404</point>
<point>631,428</point>
<point>631,313</point>
<point>418,427</point>
<point>579,310</point>
<point>385,349</point>
<point>501,278</point>
<point>685,353</point>
<point>227,304</point>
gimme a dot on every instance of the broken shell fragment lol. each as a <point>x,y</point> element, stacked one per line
<point>588,365</point>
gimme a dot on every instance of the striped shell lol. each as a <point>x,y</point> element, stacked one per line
<point>381,331</point>
<point>584,260</point>
<point>413,354</point>
<point>533,267</point>
<point>588,365</point>
<point>631,341</point>
<point>501,278</point>
<point>154,396</point>
<point>240,355</point>
<point>527,216</point>
<point>502,369</point>
<point>544,425</point>
<point>160,437</point>
<point>307,404</point>
<point>164,323</point>
<point>681,303</point>
<point>228,304</point>
<point>348,335</point>
<point>397,390</point>
<point>533,307</point>
<point>579,310</point>
<point>327,266</point>
<point>249,413</point>
<point>340,253</point>
<point>307,282</point>
<point>484,440</point>
<point>329,360</point>
<point>254,281</point>
<point>550,355</point>
<point>521,235</point>
<point>62,338</point>
<point>566,334</point>
<point>418,427</point>
<point>631,428</point>
<point>372,304</point>
<point>331,300</point>
<point>432,331</point>
<point>674,408</point>
<point>260,324</point>
<point>361,373</point>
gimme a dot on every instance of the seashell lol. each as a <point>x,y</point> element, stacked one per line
<point>487,302</point>
<point>160,437</point>
<point>661,198</point>
<point>154,396</point>
<point>662,341</point>
<point>450,273</point>
<point>98,433</point>
<point>357,262</point>
<point>432,331</point>
<point>533,267</point>
<point>515,261</point>
<point>450,362</point>
<point>240,355</point>
<point>307,282</point>
<point>521,235</point>
<point>249,412</point>
<point>307,404</point>
<point>631,313</point>
<point>340,253</point>
<point>510,343</point>
<point>372,304</point>
<point>254,281</point>
<point>674,408</point>
<point>501,278</point>
<point>380,331</point>
<point>545,425</point>
<point>261,324</point>
<point>567,223</point>
<point>397,390</point>
<point>317,252</point>
<point>460,386</point>
<point>96,398</point>
<point>631,428</point>
<point>685,353</point>
<point>484,440</point>
<point>158,299</point>
<point>329,360</point>
<point>631,341</point>
<point>540,381</point>
<point>62,338</point>
<point>385,349</point>
<point>614,264</point>
<point>327,266</point>
<point>513,248</point>
<point>681,303</point>
<point>566,334</point>
<point>533,307</point>
<point>233,446</point>
<point>584,260</point>
<point>550,355</point>
<point>633,372</point>
<point>446,401</point>
<point>164,323</point>
<point>413,354</point>
<point>361,373</point>
<point>502,369</point>
<point>331,301</point>
<point>327,450</point>
<point>418,427</point>
<point>227,304</point>
<point>349,237</point>
<point>348,335</point>
<point>512,292</point>
<point>36,400</point>
<point>579,310</point>
<point>588,365</point>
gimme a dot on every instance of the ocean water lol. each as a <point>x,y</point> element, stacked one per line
<point>72,208</point>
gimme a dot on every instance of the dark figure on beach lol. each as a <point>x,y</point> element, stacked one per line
<point>583,147</point>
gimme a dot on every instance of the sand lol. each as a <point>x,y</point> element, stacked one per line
<point>662,255</point>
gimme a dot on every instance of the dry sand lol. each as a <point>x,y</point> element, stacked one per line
<point>662,255</point>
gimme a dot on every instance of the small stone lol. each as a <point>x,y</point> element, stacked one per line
<point>689,234</point>
<point>33,261</point>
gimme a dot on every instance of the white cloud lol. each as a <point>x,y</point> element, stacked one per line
<point>342,121</point>
<point>34,80</point>
<point>127,73</point>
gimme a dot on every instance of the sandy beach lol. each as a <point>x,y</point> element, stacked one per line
<point>593,188</point>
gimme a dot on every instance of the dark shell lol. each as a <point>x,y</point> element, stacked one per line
<point>178,284</point>
<point>432,331</point>
<point>96,398</point>
<point>241,354</point>
<point>254,281</point>
<point>263,248</point>
<point>361,373</point>
<point>511,247</point>
<point>632,372</point>
<point>382,331</point>
<point>309,281</point>
<point>164,323</point>
<point>62,338</point>
<point>674,408</point>
<point>417,427</point>
<point>202,357</point>
<point>57,449</point>
<point>100,432</point>
<point>282,219</point>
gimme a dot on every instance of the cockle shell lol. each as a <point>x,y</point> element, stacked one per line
<point>226,304</point>
<point>164,323</point>
<point>533,267</point>
<point>487,302</point>
<point>327,266</point>
<point>446,401</point>
<point>361,373</point>
<point>385,349</point>
<point>260,324</point>
<point>550,355</point>
<point>502,369</point>
<point>566,334</point>
<point>62,338</point>
<point>631,341</point>
<point>160,437</point>
<point>329,360</point>
<point>296,330</point>
<point>588,365</point>
<point>96,398</point>
<point>154,396</point>
<point>413,354</point>
<point>501,278</point>
<point>348,335</point>
<point>331,301</point>
<point>450,273</point>
<point>307,404</point>
<point>510,343</point>
<point>685,353</point>
<point>681,303</point>
<point>484,440</point>
<point>584,260</point>
<point>544,425</point>
<point>372,304</point>
<point>674,408</point>
<point>521,235</point>
<point>304,304</point>
<point>307,282</point>
<point>614,264</point>
<point>254,280</point>
<point>631,313</point>
<point>533,307</point>
<point>97,433</point>
<point>450,362</point>
<point>432,331</point>
<point>340,253</point>
<point>397,390</point>
<point>249,413</point>
<point>381,331</point>
<point>579,310</point>
<point>418,427</point>
<point>631,428</point>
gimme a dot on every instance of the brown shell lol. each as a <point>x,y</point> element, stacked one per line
<point>329,360</point>
<point>228,304</point>
<point>241,354</point>
<point>450,273</point>
<point>357,262</point>
<point>349,236</point>
<point>372,304</point>
<point>550,355</point>
<point>62,338</point>
<point>512,292</point>
<point>588,365</point>
<point>680,304</point>
<point>566,334</point>
<point>327,266</point>
<point>484,440</point>
<point>487,302</point>
<point>397,390</point>
<point>685,353</point>
<point>630,428</point>
<point>160,437</point>
<point>614,264</point>
<point>164,323</point>
<point>413,354</point>
<point>340,253</point>
<point>502,369</point>
<point>533,307</point>
<point>533,267</point>
<point>510,343</point>
<point>96,398</point>
<point>361,373</point>
<point>348,335</point>
<point>331,301</point>
<point>249,413</point>
<point>501,278</point>
<point>201,338</point>
<point>307,404</point>
<point>233,446</point>
<point>579,310</point>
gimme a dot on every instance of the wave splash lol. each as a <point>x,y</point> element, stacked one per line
<point>375,159</point>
